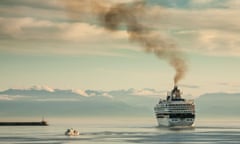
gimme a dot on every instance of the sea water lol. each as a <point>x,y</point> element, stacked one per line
<point>114,130</point>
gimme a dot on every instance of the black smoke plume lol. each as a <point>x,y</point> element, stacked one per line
<point>114,16</point>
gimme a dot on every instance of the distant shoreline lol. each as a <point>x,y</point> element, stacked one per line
<point>41,123</point>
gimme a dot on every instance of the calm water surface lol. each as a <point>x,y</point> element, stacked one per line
<point>123,130</point>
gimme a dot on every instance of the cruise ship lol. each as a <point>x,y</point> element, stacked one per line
<point>175,111</point>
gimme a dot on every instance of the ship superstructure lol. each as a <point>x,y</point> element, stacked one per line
<point>175,111</point>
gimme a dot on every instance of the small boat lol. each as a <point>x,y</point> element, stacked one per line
<point>71,132</point>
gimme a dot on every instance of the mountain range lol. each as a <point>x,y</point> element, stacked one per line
<point>45,101</point>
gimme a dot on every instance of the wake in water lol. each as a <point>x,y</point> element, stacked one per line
<point>120,133</point>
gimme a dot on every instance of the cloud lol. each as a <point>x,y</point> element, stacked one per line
<point>233,4</point>
<point>217,42</point>
<point>80,92</point>
<point>145,92</point>
<point>27,28</point>
<point>189,86</point>
<point>44,87</point>
<point>212,31</point>
<point>44,36</point>
<point>57,100</point>
<point>206,4</point>
<point>106,94</point>
<point>90,33</point>
<point>44,4</point>
<point>53,10</point>
<point>201,1</point>
<point>227,84</point>
<point>24,28</point>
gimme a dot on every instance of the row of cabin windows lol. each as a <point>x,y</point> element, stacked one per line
<point>188,115</point>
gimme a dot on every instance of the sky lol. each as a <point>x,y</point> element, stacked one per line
<point>62,44</point>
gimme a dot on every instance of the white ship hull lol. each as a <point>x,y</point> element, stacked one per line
<point>175,122</point>
<point>163,121</point>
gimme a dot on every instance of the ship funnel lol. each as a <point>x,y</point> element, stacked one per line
<point>175,88</point>
<point>176,92</point>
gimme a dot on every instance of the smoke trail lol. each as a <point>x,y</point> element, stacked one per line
<point>114,16</point>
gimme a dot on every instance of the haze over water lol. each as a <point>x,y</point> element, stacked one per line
<point>115,130</point>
